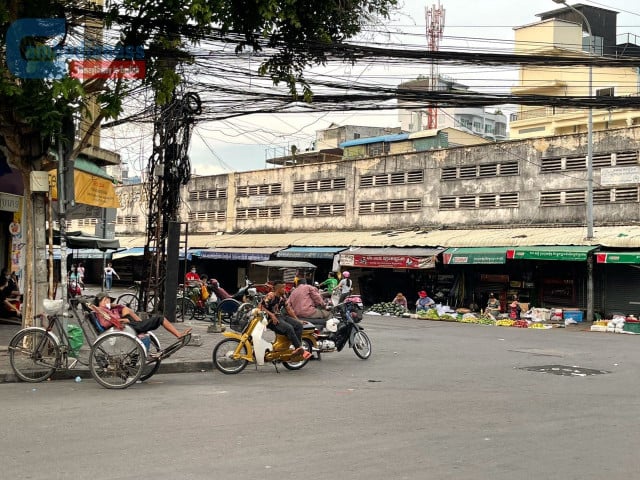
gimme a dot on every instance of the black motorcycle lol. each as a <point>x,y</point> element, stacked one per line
<point>343,327</point>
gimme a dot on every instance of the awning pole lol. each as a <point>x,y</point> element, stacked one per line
<point>589,288</point>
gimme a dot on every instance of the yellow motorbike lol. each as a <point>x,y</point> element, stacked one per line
<point>233,353</point>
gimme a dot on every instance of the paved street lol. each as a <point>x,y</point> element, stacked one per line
<point>435,400</point>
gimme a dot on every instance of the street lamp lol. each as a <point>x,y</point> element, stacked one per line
<point>589,126</point>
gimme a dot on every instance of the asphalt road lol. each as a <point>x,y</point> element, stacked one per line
<point>434,401</point>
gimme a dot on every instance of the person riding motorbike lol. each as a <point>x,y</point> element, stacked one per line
<point>307,302</point>
<point>284,322</point>
<point>330,283</point>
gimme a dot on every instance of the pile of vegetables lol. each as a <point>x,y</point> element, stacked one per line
<point>388,308</point>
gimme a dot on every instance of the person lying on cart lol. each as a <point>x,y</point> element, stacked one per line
<point>113,315</point>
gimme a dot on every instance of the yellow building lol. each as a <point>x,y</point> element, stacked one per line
<point>557,36</point>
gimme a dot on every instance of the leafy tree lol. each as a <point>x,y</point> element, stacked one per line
<point>33,111</point>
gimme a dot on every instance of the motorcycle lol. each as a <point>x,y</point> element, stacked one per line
<point>233,353</point>
<point>342,328</point>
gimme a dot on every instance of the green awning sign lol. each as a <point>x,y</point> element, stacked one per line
<point>570,253</point>
<point>618,257</point>
<point>475,256</point>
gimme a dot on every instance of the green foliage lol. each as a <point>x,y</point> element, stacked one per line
<point>296,33</point>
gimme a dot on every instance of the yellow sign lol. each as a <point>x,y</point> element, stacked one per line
<point>89,189</point>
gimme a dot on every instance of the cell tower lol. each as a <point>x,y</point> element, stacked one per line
<point>434,17</point>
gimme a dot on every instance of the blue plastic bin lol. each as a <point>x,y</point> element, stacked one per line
<point>572,315</point>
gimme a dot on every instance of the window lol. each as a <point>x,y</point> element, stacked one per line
<point>250,213</point>
<point>605,92</point>
<point>396,178</point>
<point>253,190</point>
<point>208,194</point>
<point>483,201</point>
<point>600,196</point>
<point>483,170</point>
<point>127,220</point>
<point>389,206</point>
<point>323,185</point>
<point>323,210</point>
<point>579,162</point>
<point>207,215</point>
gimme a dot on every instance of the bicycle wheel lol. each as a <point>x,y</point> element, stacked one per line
<point>117,360</point>
<point>361,345</point>
<point>227,308</point>
<point>34,354</point>
<point>153,363</point>
<point>223,354</point>
<point>308,346</point>
<point>129,300</point>
<point>241,317</point>
<point>185,309</point>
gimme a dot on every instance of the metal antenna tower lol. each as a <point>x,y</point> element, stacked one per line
<point>434,17</point>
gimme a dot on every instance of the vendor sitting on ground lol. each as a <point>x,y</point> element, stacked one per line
<point>401,300</point>
<point>424,302</point>
<point>111,315</point>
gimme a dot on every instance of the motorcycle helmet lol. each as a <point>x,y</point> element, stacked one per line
<point>332,325</point>
<point>346,274</point>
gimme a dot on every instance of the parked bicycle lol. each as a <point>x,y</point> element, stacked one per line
<point>134,300</point>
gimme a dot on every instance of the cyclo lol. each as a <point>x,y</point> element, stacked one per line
<point>117,358</point>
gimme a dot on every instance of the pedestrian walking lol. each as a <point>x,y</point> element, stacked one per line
<point>109,272</point>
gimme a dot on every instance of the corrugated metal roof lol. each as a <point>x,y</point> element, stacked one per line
<point>620,237</point>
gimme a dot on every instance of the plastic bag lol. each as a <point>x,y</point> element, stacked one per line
<point>76,339</point>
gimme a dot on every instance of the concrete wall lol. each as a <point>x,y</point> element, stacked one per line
<point>491,184</point>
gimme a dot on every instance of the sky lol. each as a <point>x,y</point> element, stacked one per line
<point>244,143</point>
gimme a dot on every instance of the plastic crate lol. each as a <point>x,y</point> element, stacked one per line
<point>575,315</point>
<point>633,327</point>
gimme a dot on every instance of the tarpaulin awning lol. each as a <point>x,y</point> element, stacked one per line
<point>248,254</point>
<point>410,258</point>
<point>285,264</point>
<point>475,256</point>
<point>618,257</point>
<point>575,253</point>
<point>82,253</point>
<point>309,252</point>
<point>129,252</point>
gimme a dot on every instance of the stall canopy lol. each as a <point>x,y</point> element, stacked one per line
<point>309,252</point>
<point>618,257</point>
<point>575,253</point>
<point>129,252</point>
<point>475,256</point>
<point>390,257</point>
<point>249,254</point>
<point>77,240</point>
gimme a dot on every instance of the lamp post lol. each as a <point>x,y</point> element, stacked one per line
<point>590,293</point>
<point>589,126</point>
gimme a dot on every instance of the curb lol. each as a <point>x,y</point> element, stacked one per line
<point>84,373</point>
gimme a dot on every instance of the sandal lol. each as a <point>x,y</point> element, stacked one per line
<point>306,355</point>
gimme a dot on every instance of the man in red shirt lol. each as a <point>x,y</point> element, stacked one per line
<point>192,278</point>
<point>307,302</point>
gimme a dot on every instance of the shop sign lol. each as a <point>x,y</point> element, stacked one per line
<point>550,253</point>
<point>9,203</point>
<point>618,257</point>
<point>619,175</point>
<point>386,261</point>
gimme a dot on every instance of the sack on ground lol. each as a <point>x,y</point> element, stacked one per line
<point>76,339</point>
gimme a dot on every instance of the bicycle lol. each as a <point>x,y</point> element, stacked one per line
<point>134,300</point>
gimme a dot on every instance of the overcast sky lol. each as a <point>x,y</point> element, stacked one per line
<point>244,143</point>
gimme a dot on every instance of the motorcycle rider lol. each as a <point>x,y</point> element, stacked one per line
<point>331,282</point>
<point>307,302</point>
<point>282,318</point>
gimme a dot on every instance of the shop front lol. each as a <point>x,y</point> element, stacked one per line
<point>325,258</point>
<point>618,276</point>
<point>380,273</point>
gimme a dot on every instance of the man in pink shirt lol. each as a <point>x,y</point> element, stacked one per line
<point>307,302</point>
